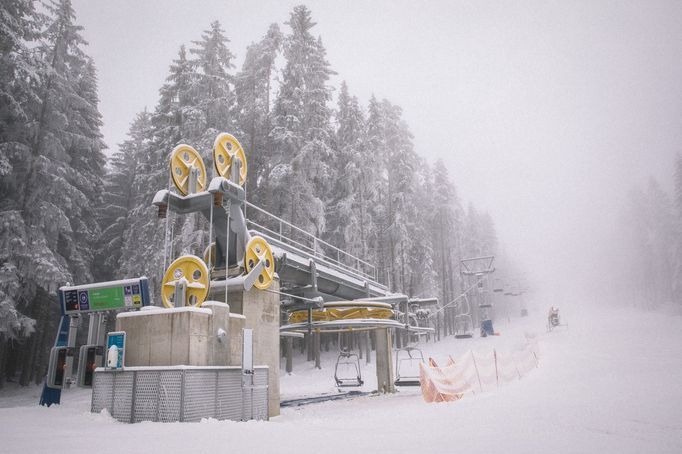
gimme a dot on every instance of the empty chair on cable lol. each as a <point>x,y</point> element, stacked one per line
<point>410,359</point>
<point>350,375</point>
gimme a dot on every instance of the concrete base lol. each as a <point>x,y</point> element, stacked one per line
<point>261,310</point>
<point>184,336</point>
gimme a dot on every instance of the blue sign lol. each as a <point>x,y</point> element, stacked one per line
<point>117,338</point>
<point>83,300</point>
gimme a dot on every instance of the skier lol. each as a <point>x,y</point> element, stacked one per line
<point>553,317</point>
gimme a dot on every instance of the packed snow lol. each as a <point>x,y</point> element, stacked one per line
<point>610,382</point>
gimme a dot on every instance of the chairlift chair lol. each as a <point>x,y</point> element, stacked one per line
<point>410,354</point>
<point>553,320</point>
<point>464,324</point>
<point>350,360</point>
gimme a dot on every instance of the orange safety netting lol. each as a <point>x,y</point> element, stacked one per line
<point>476,372</point>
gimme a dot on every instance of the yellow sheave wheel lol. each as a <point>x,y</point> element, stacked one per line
<point>330,314</point>
<point>225,148</point>
<point>184,157</point>
<point>256,249</point>
<point>194,270</point>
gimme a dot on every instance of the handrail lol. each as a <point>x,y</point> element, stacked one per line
<point>358,274</point>
<point>315,249</point>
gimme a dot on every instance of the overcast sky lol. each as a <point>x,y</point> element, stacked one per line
<point>545,113</point>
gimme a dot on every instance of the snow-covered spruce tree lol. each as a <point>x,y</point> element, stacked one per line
<point>61,181</point>
<point>122,183</point>
<point>196,103</point>
<point>659,238</point>
<point>347,212</point>
<point>446,230</point>
<point>401,163</point>
<point>171,123</point>
<point>212,88</point>
<point>377,179</point>
<point>420,279</point>
<point>19,76</point>
<point>302,133</point>
<point>212,110</point>
<point>479,236</point>
<point>677,260</point>
<point>253,85</point>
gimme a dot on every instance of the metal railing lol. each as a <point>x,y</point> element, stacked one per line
<point>284,232</point>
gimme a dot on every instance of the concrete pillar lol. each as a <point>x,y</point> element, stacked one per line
<point>261,310</point>
<point>316,345</point>
<point>368,347</point>
<point>290,354</point>
<point>384,360</point>
<point>359,343</point>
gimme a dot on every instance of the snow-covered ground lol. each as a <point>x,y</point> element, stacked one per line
<point>610,383</point>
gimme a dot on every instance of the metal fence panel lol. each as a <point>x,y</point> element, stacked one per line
<point>170,395</point>
<point>188,394</point>
<point>146,396</point>
<point>229,395</point>
<point>102,392</point>
<point>199,395</point>
<point>123,396</point>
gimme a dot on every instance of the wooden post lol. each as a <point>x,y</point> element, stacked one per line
<point>476,367</point>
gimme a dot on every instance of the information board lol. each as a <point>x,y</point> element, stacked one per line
<point>105,296</point>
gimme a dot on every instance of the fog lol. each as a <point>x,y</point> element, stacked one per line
<point>545,113</point>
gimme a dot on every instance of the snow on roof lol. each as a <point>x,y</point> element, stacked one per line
<point>165,311</point>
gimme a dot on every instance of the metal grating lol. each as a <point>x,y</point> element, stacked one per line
<point>260,394</point>
<point>229,399</point>
<point>200,395</point>
<point>170,391</point>
<point>189,394</point>
<point>146,396</point>
<point>123,396</point>
<point>102,392</point>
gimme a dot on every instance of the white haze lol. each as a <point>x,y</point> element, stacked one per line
<point>546,113</point>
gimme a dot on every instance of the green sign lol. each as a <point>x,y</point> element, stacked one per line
<point>105,296</point>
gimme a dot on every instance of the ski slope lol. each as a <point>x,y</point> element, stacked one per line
<point>611,382</point>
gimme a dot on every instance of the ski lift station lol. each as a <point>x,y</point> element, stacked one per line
<point>209,343</point>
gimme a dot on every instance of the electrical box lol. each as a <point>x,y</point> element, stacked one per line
<point>90,358</point>
<point>116,349</point>
<point>247,351</point>
<point>59,367</point>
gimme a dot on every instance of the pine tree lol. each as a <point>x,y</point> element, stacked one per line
<point>401,162</point>
<point>346,216</point>
<point>19,70</point>
<point>122,183</point>
<point>377,178</point>
<point>253,86</point>
<point>145,236</point>
<point>446,222</point>
<point>212,84</point>
<point>302,131</point>
<point>57,182</point>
